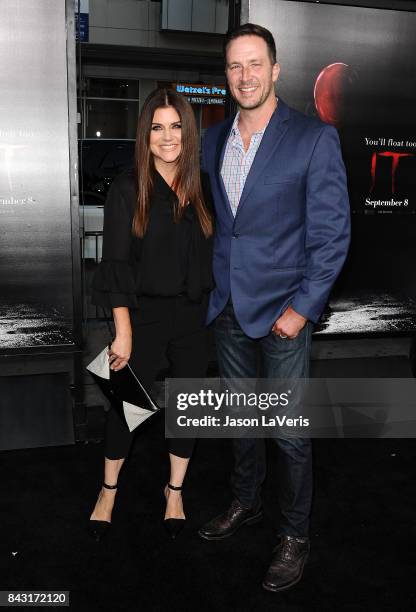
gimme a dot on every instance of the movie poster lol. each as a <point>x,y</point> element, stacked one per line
<point>35,222</point>
<point>355,68</point>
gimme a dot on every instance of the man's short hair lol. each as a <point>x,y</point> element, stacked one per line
<point>251,29</point>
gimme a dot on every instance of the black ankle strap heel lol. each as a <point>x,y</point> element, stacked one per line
<point>172,525</point>
<point>99,529</point>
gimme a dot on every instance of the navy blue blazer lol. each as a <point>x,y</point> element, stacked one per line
<point>290,236</point>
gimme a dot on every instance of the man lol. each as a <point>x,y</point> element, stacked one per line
<point>282,234</point>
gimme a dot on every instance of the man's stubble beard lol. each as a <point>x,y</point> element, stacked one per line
<point>260,102</point>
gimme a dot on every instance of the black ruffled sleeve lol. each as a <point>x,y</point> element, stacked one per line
<point>114,280</point>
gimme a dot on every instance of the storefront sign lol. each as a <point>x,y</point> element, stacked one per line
<point>202,94</point>
<point>201,90</point>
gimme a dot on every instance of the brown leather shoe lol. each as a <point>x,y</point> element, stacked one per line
<point>228,522</point>
<point>286,568</point>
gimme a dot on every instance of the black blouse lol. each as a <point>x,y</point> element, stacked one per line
<point>172,258</point>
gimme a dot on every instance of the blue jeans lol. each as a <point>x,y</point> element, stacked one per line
<point>269,357</point>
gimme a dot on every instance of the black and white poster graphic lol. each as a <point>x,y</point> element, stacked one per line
<point>35,222</point>
<point>354,68</point>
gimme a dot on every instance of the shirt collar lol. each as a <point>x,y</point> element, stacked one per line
<point>234,128</point>
<point>235,132</point>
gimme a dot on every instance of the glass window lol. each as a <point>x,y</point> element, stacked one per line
<point>100,162</point>
<point>111,119</point>
<point>112,88</point>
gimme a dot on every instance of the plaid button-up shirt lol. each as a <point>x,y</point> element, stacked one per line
<point>237,163</point>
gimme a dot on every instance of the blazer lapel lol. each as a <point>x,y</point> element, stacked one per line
<point>272,137</point>
<point>219,157</point>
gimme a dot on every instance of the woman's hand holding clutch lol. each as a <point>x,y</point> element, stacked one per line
<point>119,352</point>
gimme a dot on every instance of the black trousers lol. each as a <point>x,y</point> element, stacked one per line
<point>170,326</point>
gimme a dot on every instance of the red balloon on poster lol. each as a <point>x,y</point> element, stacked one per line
<point>329,92</point>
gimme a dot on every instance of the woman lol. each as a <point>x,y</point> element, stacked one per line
<point>155,274</point>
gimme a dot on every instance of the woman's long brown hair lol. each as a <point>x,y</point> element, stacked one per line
<point>187,181</point>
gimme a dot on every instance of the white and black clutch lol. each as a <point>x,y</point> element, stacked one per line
<point>124,390</point>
